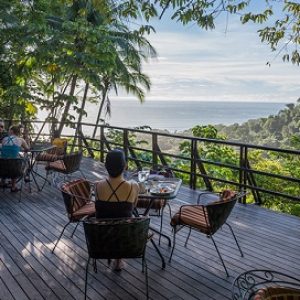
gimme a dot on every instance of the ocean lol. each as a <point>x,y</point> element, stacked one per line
<point>178,116</point>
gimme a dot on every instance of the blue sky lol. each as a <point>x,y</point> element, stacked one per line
<point>226,64</point>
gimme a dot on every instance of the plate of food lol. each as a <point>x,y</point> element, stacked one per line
<point>162,190</point>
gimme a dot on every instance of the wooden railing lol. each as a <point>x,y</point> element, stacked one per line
<point>196,165</point>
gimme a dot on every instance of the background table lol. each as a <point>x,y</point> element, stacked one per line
<point>34,151</point>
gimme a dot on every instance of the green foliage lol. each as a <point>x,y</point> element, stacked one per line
<point>48,47</point>
<point>280,32</point>
<point>281,130</point>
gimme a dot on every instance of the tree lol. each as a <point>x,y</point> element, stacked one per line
<point>60,45</point>
<point>282,34</point>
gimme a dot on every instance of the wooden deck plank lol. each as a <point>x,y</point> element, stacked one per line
<point>28,231</point>
<point>4,291</point>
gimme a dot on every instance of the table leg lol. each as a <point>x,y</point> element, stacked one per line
<point>163,235</point>
<point>163,263</point>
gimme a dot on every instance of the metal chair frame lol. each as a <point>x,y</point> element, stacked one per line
<point>208,221</point>
<point>69,199</point>
<point>13,168</point>
<point>71,162</point>
<point>115,235</point>
<point>247,284</point>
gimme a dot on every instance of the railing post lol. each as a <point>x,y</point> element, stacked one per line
<point>102,144</point>
<point>79,137</point>
<point>154,151</point>
<point>193,177</point>
<point>243,172</point>
<point>125,143</point>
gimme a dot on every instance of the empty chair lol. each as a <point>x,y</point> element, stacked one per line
<point>116,239</point>
<point>265,285</point>
<point>206,218</point>
<point>69,164</point>
<point>54,154</point>
<point>78,204</point>
<point>12,168</point>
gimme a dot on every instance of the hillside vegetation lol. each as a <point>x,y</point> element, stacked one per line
<point>281,130</point>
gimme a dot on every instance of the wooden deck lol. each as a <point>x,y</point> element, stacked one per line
<point>28,269</point>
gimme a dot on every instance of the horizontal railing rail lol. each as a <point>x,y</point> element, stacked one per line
<point>198,169</point>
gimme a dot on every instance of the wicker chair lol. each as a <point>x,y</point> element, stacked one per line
<point>54,154</point>
<point>158,205</point>
<point>69,164</point>
<point>265,285</point>
<point>78,204</point>
<point>115,239</point>
<point>207,218</point>
<point>13,168</point>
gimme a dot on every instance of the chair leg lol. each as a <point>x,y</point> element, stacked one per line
<point>95,265</point>
<point>170,209</point>
<point>187,238</point>
<point>163,264</point>
<point>74,229</point>
<point>174,242</point>
<point>210,236</point>
<point>45,180</point>
<point>60,236</point>
<point>86,277</point>
<point>161,224</point>
<point>21,190</point>
<point>242,254</point>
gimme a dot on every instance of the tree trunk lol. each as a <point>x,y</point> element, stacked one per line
<point>81,114</point>
<point>104,95</point>
<point>53,113</point>
<point>68,105</point>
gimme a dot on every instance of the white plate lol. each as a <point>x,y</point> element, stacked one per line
<point>166,190</point>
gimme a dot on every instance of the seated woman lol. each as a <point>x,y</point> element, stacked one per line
<point>115,197</point>
<point>11,147</point>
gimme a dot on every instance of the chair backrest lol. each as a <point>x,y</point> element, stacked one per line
<point>72,162</point>
<point>116,238</point>
<point>76,194</point>
<point>106,209</point>
<point>218,212</point>
<point>12,167</point>
<point>10,151</point>
<point>265,285</point>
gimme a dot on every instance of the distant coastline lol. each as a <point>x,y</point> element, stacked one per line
<point>176,116</point>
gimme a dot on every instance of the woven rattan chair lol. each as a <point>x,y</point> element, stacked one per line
<point>69,164</point>
<point>265,285</point>
<point>122,209</point>
<point>206,218</point>
<point>13,168</point>
<point>116,239</point>
<point>78,204</point>
<point>54,154</point>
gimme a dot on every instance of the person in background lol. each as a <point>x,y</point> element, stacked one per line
<point>3,133</point>
<point>117,190</point>
<point>11,147</point>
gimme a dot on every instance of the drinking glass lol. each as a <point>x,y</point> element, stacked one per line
<point>143,175</point>
<point>147,172</point>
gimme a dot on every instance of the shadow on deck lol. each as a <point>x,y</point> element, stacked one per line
<point>28,269</point>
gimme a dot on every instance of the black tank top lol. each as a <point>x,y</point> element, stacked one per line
<point>115,209</point>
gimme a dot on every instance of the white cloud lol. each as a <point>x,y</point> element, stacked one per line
<point>214,66</point>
